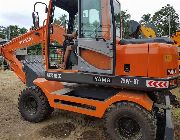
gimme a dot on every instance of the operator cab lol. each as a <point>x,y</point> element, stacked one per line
<point>64,14</point>
<point>96,22</point>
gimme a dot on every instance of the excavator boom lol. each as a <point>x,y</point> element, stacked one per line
<point>31,38</point>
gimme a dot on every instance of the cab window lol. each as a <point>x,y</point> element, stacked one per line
<point>90,18</point>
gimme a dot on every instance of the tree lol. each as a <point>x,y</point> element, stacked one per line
<point>61,20</point>
<point>14,31</point>
<point>146,19</point>
<point>56,21</point>
<point>3,33</point>
<point>22,30</point>
<point>35,50</point>
<point>161,20</point>
<point>125,16</point>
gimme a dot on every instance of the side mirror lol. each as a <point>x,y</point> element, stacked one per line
<point>35,17</point>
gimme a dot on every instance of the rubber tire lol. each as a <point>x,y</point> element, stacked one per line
<point>43,108</point>
<point>145,119</point>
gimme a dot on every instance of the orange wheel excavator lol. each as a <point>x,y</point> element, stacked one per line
<point>127,81</point>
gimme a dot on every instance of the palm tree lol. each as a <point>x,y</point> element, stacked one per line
<point>146,19</point>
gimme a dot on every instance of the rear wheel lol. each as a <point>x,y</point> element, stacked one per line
<point>128,121</point>
<point>33,105</point>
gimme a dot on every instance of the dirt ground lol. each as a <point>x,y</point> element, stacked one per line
<point>61,125</point>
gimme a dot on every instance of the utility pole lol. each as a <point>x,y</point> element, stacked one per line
<point>169,20</point>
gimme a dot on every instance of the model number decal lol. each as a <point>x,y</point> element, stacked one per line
<point>102,79</point>
<point>129,81</point>
<point>54,75</point>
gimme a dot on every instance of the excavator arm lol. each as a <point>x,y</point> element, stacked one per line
<point>29,39</point>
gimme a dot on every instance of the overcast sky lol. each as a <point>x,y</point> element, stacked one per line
<point>19,12</point>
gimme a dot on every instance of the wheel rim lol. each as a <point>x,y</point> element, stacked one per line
<point>128,128</point>
<point>30,105</point>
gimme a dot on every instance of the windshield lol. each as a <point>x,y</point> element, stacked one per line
<point>91,18</point>
<point>95,19</point>
<point>117,13</point>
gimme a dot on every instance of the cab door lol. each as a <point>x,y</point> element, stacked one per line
<point>96,48</point>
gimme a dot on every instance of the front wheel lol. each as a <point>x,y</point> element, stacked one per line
<point>34,105</point>
<point>128,121</point>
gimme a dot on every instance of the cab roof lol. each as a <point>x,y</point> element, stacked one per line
<point>71,6</point>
